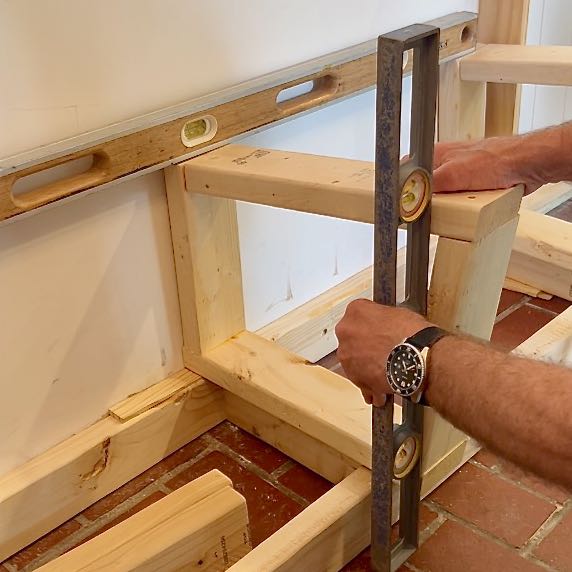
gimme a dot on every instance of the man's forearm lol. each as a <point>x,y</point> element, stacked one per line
<point>516,407</point>
<point>544,156</point>
<point>500,162</point>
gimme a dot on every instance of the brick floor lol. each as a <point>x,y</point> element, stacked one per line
<point>519,326</point>
<point>556,548</point>
<point>455,548</point>
<point>496,506</point>
<point>488,517</point>
<point>268,507</point>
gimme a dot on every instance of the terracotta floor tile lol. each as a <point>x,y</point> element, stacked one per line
<point>41,546</point>
<point>147,501</point>
<point>494,505</point>
<point>507,299</point>
<point>557,305</point>
<point>268,508</point>
<point>516,474</point>
<point>137,484</point>
<point>455,548</point>
<point>556,548</point>
<point>518,326</point>
<point>305,483</point>
<point>258,452</point>
<point>361,563</point>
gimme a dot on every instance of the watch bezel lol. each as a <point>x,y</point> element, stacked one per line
<point>408,392</point>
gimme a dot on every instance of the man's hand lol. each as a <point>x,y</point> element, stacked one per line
<point>481,165</point>
<point>366,334</point>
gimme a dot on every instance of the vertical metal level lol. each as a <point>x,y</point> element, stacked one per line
<point>389,178</point>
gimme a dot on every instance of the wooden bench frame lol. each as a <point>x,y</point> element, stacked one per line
<point>256,379</point>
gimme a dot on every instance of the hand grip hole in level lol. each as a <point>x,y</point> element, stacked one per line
<point>198,131</point>
<point>63,177</point>
<point>35,181</point>
<point>295,91</point>
<point>467,34</point>
<point>307,92</point>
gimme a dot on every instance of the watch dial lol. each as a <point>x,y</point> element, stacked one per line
<point>405,369</point>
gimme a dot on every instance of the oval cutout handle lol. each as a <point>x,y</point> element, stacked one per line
<point>304,94</point>
<point>59,188</point>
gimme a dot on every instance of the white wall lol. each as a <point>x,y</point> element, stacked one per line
<point>88,303</point>
<point>549,23</point>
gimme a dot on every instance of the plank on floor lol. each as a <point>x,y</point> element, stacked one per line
<point>51,488</point>
<point>201,526</point>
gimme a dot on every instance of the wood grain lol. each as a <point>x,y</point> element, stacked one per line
<point>332,186</point>
<point>205,238</point>
<point>502,63</point>
<point>502,23</point>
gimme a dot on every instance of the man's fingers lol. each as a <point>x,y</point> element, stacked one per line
<point>367,396</point>
<point>449,178</point>
<point>379,400</point>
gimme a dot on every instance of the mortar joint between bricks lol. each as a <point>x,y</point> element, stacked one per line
<point>498,472</point>
<point>545,529</point>
<point>283,468</point>
<point>471,526</point>
<point>253,468</point>
<point>512,309</point>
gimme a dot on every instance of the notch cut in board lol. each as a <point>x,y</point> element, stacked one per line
<point>201,526</point>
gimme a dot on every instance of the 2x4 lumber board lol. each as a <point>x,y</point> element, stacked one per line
<point>547,197</point>
<point>467,281</point>
<point>318,402</point>
<point>325,536</point>
<point>313,399</point>
<point>503,23</point>
<point>201,526</point>
<point>461,114</point>
<point>500,63</point>
<point>342,188</point>
<point>542,254</point>
<point>552,343</point>
<point>51,488</point>
<point>153,141</point>
<point>320,458</point>
<point>309,330</point>
<point>152,396</point>
<point>516,286</point>
<point>206,248</point>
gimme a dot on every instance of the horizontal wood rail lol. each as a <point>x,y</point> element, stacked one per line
<point>331,186</point>
<point>500,63</point>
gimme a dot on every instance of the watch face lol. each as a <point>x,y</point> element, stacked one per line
<point>405,369</point>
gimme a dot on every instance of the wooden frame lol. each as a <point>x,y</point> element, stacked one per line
<point>311,414</point>
<point>502,23</point>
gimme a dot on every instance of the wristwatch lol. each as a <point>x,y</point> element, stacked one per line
<point>407,363</point>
